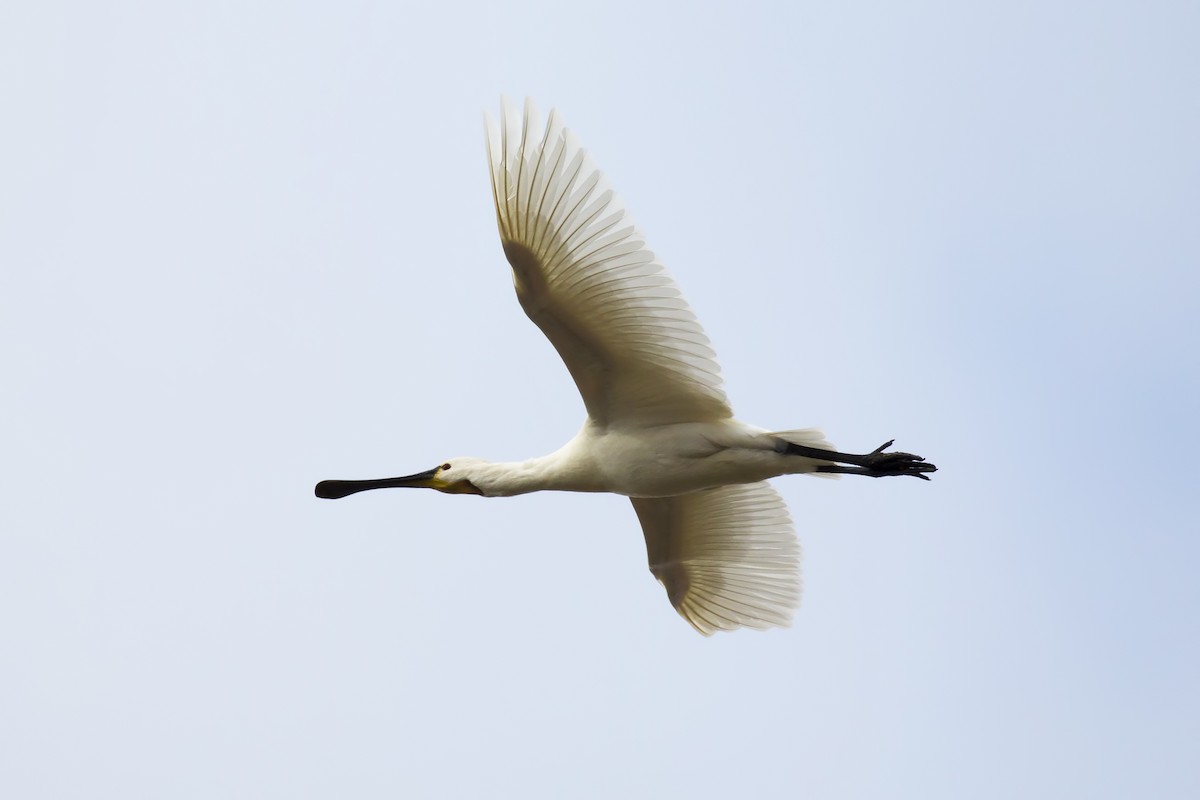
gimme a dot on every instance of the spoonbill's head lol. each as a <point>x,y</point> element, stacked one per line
<point>455,476</point>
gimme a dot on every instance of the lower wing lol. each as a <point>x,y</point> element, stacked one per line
<point>727,556</point>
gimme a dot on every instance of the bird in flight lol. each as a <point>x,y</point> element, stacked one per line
<point>659,428</point>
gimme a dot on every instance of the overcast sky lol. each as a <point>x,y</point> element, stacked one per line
<point>248,246</point>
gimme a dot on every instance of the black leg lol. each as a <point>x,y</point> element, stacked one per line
<point>875,464</point>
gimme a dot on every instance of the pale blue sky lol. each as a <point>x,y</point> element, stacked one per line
<point>247,246</point>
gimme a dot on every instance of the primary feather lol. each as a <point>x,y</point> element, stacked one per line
<point>728,557</point>
<point>584,276</point>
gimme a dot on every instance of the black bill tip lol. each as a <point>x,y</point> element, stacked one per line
<point>332,490</point>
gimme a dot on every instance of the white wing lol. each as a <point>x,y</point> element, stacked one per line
<point>584,276</point>
<point>728,556</point>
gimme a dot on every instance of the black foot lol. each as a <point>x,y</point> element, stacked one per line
<point>878,464</point>
<point>875,464</point>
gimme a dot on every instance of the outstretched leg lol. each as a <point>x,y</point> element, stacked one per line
<point>875,464</point>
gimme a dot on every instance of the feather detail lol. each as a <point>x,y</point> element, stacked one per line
<point>584,275</point>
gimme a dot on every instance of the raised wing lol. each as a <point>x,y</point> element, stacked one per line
<point>728,556</point>
<point>585,277</point>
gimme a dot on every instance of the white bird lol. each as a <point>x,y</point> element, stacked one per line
<point>659,429</point>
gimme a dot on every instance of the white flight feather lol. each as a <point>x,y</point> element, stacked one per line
<point>728,557</point>
<point>584,276</point>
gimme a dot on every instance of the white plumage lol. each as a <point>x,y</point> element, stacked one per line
<point>584,275</point>
<point>727,556</point>
<point>659,428</point>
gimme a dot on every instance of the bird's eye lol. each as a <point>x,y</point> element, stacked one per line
<point>445,466</point>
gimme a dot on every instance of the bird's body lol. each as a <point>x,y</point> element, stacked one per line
<point>655,461</point>
<point>659,428</point>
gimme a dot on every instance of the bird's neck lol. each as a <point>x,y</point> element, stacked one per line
<point>553,472</point>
